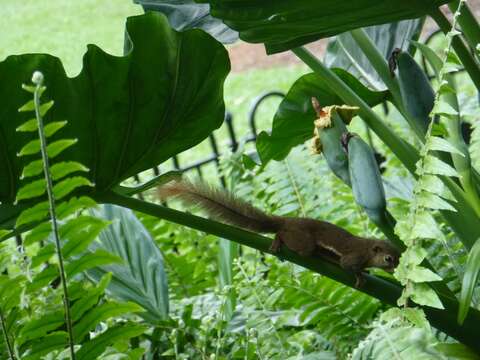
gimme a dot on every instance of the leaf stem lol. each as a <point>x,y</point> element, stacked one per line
<point>156,181</point>
<point>382,289</point>
<point>468,23</point>
<point>462,163</point>
<point>5,335</point>
<point>38,80</point>
<point>294,185</point>
<point>467,59</point>
<point>381,67</point>
<point>377,61</point>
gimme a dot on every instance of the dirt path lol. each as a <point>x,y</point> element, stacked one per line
<point>245,56</point>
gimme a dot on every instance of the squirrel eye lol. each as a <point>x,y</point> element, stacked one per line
<point>388,258</point>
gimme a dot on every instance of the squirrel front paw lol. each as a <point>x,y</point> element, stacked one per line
<point>275,246</point>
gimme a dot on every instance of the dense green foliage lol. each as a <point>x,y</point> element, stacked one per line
<point>83,281</point>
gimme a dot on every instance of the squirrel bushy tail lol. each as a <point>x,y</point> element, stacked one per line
<point>221,205</point>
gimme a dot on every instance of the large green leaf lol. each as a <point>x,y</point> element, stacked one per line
<point>343,51</point>
<point>93,348</point>
<point>227,253</point>
<point>293,121</point>
<point>46,344</point>
<point>286,24</point>
<point>141,278</point>
<point>128,113</point>
<point>102,312</point>
<point>186,14</point>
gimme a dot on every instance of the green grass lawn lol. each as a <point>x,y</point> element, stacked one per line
<point>64,27</point>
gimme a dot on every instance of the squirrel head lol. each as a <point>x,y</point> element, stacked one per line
<point>383,255</point>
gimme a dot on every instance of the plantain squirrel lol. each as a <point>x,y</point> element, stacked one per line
<point>302,235</point>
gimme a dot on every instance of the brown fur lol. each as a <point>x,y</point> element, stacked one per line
<point>302,235</point>
<point>221,205</point>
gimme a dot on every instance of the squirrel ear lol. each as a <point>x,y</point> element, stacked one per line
<point>377,249</point>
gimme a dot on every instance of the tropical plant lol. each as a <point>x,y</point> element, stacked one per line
<point>127,114</point>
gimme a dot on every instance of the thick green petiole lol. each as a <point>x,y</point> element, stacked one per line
<point>453,124</point>
<point>462,163</point>
<point>378,62</point>
<point>463,53</point>
<point>156,181</point>
<point>381,67</point>
<point>468,23</point>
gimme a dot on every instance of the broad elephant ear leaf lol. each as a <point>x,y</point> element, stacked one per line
<point>284,25</point>
<point>141,278</point>
<point>187,14</point>
<point>293,121</point>
<point>343,51</point>
<point>128,113</point>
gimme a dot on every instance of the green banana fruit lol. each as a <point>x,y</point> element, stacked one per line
<point>367,185</point>
<point>417,93</point>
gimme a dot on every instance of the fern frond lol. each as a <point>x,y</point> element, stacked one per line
<point>409,336</point>
<point>420,225</point>
<point>55,248</point>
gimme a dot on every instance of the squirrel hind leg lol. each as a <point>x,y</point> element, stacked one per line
<point>297,241</point>
<point>276,243</point>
